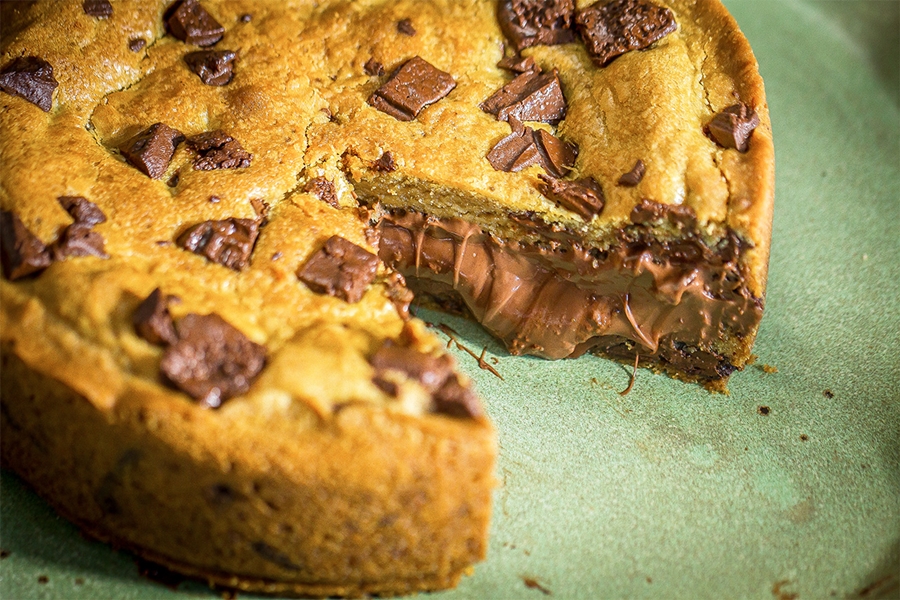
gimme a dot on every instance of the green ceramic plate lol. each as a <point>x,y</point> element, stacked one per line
<point>671,491</point>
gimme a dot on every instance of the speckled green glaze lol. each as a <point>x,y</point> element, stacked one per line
<point>671,492</point>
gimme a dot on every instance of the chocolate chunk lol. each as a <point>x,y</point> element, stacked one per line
<point>174,179</point>
<point>137,44</point>
<point>262,210</point>
<point>530,22</point>
<point>516,151</point>
<point>732,127</point>
<point>246,18</point>
<point>634,176</point>
<point>456,400</point>
<point>340,269</point>
<point>611,29</point>
<point>218,150</point>
<point>21,252</point>
<point>427,369</point>
<point>411,88</point>
<point>215,67</point>
<point>228,242</point>
<point>31,78</point>
<point>405,27</point>
<point>385,163</point>
<point>518,64</point>
<point>649,212</point>
<point>152,320</point>
<point>212,361</point>
<point>532,96</point>
<point>189,22</point>
<point>97,8</point>
<point>583,196</point>
<point>77,240</point>
<point>151,150</point>
<point>322,189</point>
<point>373,67</point>
<point>82,210</point>
<point>557,157</point>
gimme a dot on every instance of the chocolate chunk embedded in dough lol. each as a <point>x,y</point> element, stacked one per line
<point>228,242</point>
<point>212,361</point>
<point>411,88</point>
<point>190,22</point>
<point>427,369</point>
<point>322,189</point>
<point>649,212</point>
<point>634,176</point>
<point>30,78</point>
<point>456,400</point>
<point>524,147</point>
<point>137,44</point>
<point>733,127</point>
<point>218,150</point>
<point>151,150</point>
<point>101,9</point>
<point>82,210</point>
<point>373,67</point>
<point>78,240</point>
<point>518,64</point>
<point>152,320</point>
<point>405,27</point>
<point>557,157</point>
<point>21,252</point>
<point>532,96</point>
<point>583,196</point>
<point>611,29</point>
<point>385,163</point>
<point>340,269</point>
<point>530,22</point>
<point>214,67</point>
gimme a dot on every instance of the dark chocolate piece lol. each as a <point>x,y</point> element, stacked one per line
<point>557,157</point>
<point>524,147</point>
<point>532,96</point>
<point>411,88</point>
<point>649,212</point>
<point>340,269</point>
<point>152,150</point>
<point>518,64</point>
<point>634,176</point>
<point>137,44</point>
<point>373,67</point>
<point>456,400</point>
<point>385,163</point>
<point>212,361</point>
<point>21,252</point>
<point>30,78</point>
<point>77,240</point>
<point>190,22</point>
<point>101,9</point>
<point>583,196</point>
<point>218,150</point>
<point>152,320</point>
<point>322,189</point>
<point>611,29</point>
<point>530,22</point>
<point>733,127</point>
<point>215,67</point>
<point>82,210</point>
<point>262,210</point>
<point>228,242</point>
<point>405,27</point>
<point>246,18</point>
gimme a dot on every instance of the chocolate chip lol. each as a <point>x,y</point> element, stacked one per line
<point>246,18</point>
<point>405,27</point>
<point>456,400</point>
<point>583,196</point>
<point>427,369</point>
<point>530,22</point>
<point>373,68</point>
<point>82,210</point>
<point>518,64</point>
<point>516,151</point>
<point>78,240</point>
<point>189,22</point>
<point>214,199</point>
<point>557,157</point>
<point>151,150</point>
<point>733,127</point>
<point>212,361</point>
<point>21,252</point>
<point>174,179</point>
<point>137,44</point>
<point>31,78</point>
<point>218,150</point>
<point>411,88</point>
<point>340,269</point>
<point>152,320</point>
<point>654,213</point>
<point>215,67</point>
<point>322,189</point>
<point>262,210</point>
<point>532,96</point>
<point>611,29</point>
<point>385,163</point>
<point>634,176</point>
<point>228,242</point>
<point>97,8</point>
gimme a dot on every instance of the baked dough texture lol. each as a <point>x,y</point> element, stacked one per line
<point>325,473</point>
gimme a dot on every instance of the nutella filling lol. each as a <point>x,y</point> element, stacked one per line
<point>668,302</point>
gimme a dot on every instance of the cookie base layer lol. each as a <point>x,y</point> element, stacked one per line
<point>376,519</point>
